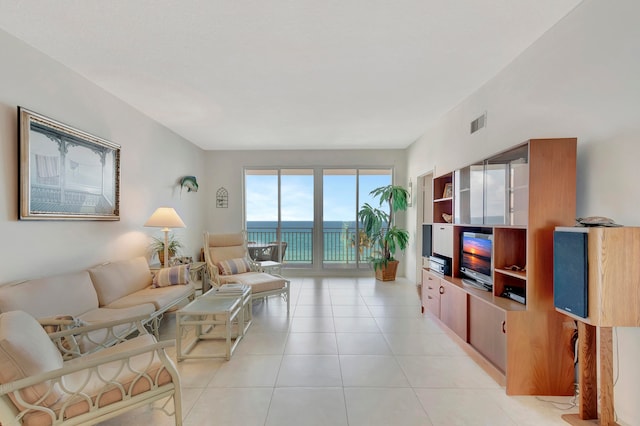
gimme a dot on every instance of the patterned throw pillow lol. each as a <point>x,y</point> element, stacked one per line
<point>171,276</point>
<point>234,266</point>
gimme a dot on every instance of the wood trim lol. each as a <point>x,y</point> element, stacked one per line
<point>607,413</point>
<point>587,373</point>
<point>552,202</point>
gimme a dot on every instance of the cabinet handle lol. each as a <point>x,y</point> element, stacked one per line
<point>429,297</point>
<point>430,288</point>
<point>504,330</point>
<point>441,290</point>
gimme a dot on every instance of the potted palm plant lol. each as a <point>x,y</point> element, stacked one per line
<point>383,235</point>
<point>157,246</point>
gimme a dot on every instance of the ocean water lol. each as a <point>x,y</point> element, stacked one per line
<point>338,239</point>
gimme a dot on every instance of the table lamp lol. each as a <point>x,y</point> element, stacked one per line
<point>165,218</point>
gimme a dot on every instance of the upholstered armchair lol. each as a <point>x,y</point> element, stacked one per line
<point>228,261</point>
<point>38,387</point>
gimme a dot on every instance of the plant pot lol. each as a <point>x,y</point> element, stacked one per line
<point>388,273</point>
<point>161,256</point>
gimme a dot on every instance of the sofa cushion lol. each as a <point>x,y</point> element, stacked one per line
<point>226,246</point>
<point>26,350</point>
<point>68,294</point>
<point>118,279</point>
<point>234,266</point>
<point>160,297</point>
<point>260,281</point>
<point>171,276</point>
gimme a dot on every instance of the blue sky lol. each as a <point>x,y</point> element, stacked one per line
<point>297,196</point>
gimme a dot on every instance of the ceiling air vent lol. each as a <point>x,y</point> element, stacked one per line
<point>479,123</point>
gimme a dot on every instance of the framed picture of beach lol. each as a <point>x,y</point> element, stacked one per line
<point>65,173</point>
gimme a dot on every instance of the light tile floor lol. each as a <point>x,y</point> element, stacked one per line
<point>353,351</point>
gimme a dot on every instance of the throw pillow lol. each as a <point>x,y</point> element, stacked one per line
<point>234,266</point>
<point>171,276</point>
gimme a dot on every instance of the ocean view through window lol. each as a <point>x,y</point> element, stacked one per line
<point>312,212</point>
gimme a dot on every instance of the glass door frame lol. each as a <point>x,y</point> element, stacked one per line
<point>317,261</point>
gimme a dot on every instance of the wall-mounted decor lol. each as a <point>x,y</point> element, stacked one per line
<point>222,198</point>
<point>190,183</point>
<point>65,173</point>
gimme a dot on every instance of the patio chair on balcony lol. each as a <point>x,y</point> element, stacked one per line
<point>277,251</point>
<point>228,261</point>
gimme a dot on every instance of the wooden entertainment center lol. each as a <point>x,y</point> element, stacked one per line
<point>518,196</point>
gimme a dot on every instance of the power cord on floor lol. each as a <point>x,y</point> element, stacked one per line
<point>562,405</point>
<point>574,400</point>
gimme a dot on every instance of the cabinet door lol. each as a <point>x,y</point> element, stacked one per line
<point>487,332</point>
<point>495,194</point>
<point>469,198</point>
<point>453,308</point>
<point>431,293</point>
<point>443,240</point>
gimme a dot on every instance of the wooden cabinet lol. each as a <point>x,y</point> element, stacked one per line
<point>453,308</point>
<point>443,239</point>
<point>430,293</point>
<point>487,331</point>
<point>523,194</point>
<point>445,301</point>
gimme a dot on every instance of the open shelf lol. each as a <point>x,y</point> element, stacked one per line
<point>443,200</point>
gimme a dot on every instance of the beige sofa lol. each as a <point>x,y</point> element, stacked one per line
<point>109,292</point>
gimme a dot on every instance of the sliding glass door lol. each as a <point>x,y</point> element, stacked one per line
<point>344,192</point>
<point>312,214</point>
<point>279,212</point>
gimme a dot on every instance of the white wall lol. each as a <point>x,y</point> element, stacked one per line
<point>152,160</point>
<point>581,79</point>
<point>225,169</point>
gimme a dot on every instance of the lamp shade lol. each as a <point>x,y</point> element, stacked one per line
<point>165,217</point>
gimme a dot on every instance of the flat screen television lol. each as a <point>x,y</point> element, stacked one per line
<point>475,258</point>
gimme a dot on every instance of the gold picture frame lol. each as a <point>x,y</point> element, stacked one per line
<point>65,173</point>
<point>448,190</point>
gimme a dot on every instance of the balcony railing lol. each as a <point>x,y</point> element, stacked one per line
<point>340,245</point>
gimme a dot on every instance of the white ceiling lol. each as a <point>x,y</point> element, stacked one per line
<point>286,74</point>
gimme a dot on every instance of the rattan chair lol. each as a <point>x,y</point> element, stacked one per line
<point>228,261</point>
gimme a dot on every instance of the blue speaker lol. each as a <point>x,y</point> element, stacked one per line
<point>570,271</point>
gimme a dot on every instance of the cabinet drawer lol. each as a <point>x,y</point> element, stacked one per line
<point>431,292</point>
<point>443,240</point>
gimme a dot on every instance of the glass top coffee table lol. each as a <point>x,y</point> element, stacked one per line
<point>244,293</point>
<point>212,318</point>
